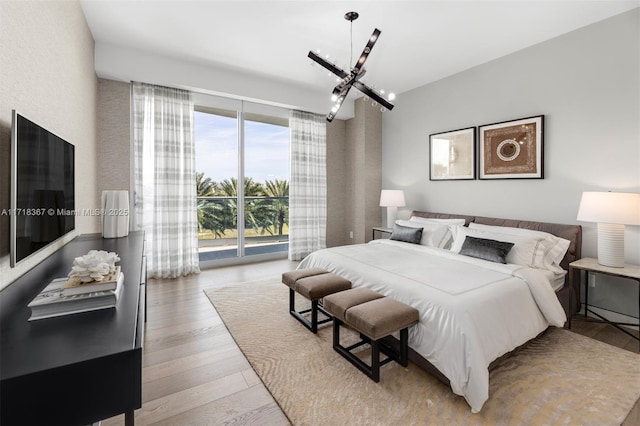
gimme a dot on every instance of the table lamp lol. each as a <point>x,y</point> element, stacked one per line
<point>611,211</point>
<point>392,199</point>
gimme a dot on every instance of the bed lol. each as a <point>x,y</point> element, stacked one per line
<point>472,311</point>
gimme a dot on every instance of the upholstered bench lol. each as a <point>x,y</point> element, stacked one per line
<point>290,278</point>
<point>337,304</point>
<point>375,318</point>
<point>314,284</point>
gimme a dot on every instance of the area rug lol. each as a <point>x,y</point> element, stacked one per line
<point>558,378</point>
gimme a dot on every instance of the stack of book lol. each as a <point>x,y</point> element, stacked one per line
<point>65,296</point>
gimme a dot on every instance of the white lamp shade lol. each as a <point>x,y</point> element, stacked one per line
<point>612,211</point>
<point>115,214</point>
<point>392,198</point>
<point>610,207</point>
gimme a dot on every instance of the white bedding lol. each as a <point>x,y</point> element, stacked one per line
<point>471,311</point>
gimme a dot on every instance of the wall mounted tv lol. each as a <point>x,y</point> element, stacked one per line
<point>42,188</point>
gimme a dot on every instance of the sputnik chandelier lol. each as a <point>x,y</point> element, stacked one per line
<point>352,79</point>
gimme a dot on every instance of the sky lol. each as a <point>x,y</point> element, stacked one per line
<point>266,148</point>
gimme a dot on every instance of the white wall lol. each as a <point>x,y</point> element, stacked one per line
<point>118,63</point>
<point>46,73</point>
<point>586,83</point>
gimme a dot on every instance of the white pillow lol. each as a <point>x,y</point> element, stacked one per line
<point>551,251</point>
<point>439,221</point>
<point>433,235</point>
<point>452,225</point>
<point>522,253</point>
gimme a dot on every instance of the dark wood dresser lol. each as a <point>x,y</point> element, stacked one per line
<point>80,368</point>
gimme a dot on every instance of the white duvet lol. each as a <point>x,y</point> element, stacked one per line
<point>471,311</point>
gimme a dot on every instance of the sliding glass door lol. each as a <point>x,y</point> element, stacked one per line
<point>266,171</point>
<point>251,219</point>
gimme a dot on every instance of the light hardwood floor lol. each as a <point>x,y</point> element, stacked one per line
<point>194,373</point>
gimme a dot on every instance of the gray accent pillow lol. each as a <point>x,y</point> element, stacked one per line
<point>491,250</point>
<point>406,234</point>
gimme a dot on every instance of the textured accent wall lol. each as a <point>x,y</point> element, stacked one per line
<point>354,176</point>
<point>337,172</point>
<point>372,171</point>
<point>114,135</point>
<point>354,187</point>
<point>363,161</point>
<point>47,74</point>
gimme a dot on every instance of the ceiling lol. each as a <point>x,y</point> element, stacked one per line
<point>421,41</point>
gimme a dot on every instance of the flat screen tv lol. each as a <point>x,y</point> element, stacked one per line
<point>42,188</point>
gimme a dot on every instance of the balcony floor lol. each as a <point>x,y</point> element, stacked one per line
<point>249,251</point>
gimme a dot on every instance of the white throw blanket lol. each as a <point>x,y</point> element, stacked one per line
<point>471,311</point>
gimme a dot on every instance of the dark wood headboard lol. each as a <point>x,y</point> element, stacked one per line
<point>573,233</point>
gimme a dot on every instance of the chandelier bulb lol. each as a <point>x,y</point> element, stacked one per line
<point>392,96</point>
<point>334,98</point>
<point>382,109</point>
<point>374,103</point>
<point>366,98</point>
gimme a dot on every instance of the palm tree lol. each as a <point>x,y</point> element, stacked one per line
<point>279,207</point>
<point>209,216</point>
<point>229,188</point>
<point>204,185</point>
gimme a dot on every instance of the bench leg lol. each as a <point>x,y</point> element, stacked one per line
<point>314,316</point>
<point>315,307</point>
<point>404,348</point>
<point>373,371</point>
<point>375,361</point>
<point>336,332</point>
<point>401,355</point>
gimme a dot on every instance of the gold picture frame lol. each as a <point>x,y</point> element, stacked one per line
<point>512,149</point>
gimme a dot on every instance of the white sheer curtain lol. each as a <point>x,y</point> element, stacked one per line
<point>164,179</point>
<point>308,186</point>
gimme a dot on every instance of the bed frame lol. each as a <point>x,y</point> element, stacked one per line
<point>569,298</point>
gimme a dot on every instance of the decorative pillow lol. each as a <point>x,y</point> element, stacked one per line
<point>550,252</point>
<point>523,252</point>
<point>406,234</point>
<point>433,235</point>
<point>491,250</point>
<point>452,225</point>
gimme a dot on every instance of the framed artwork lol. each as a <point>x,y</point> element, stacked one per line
<point>452,155</point>
<point>512,149</point>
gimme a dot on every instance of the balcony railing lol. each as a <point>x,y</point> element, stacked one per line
<point>266,223</point>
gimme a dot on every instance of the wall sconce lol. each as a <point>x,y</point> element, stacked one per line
<point>611,211</point>
<point>392,199</point>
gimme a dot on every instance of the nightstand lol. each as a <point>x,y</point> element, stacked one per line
<point>590,265</point>
<point>381,232</point>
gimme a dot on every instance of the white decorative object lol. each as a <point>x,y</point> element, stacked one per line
<point>611,211</point>
<point>115,214</point>
<point>94,266</point>
<point>392,199</point>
